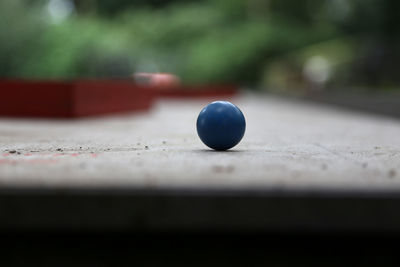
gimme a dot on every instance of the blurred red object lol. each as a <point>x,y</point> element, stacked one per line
<point>169,85</point>
<point>73,99</point>
<point>69,99</point>
<point>157,80</point>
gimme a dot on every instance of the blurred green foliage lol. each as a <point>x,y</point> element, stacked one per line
<point>242,41</point>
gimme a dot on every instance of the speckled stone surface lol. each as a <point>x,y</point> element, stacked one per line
<point>288,145</point>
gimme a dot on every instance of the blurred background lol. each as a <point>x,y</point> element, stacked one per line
<point>275,45</point>
<point>334,51</point>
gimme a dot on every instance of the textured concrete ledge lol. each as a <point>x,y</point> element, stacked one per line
<point>300,166</point>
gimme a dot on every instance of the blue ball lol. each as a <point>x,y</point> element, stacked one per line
<point>221,125</point>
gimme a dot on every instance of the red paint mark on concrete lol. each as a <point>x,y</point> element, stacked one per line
<point>6,154</point>
<point>94,155</point>
<point>66,154</point>
<point>27,154</point>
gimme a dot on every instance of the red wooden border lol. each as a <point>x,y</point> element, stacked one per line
<point>36,99</point>
<point>71,99</point>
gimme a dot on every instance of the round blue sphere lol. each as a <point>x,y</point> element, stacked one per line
<point>221,125</point>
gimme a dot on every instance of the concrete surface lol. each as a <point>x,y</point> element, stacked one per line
<point>301,168</point>
<point>287,146</point>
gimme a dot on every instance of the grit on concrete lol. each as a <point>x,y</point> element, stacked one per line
<point>287,146</point>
